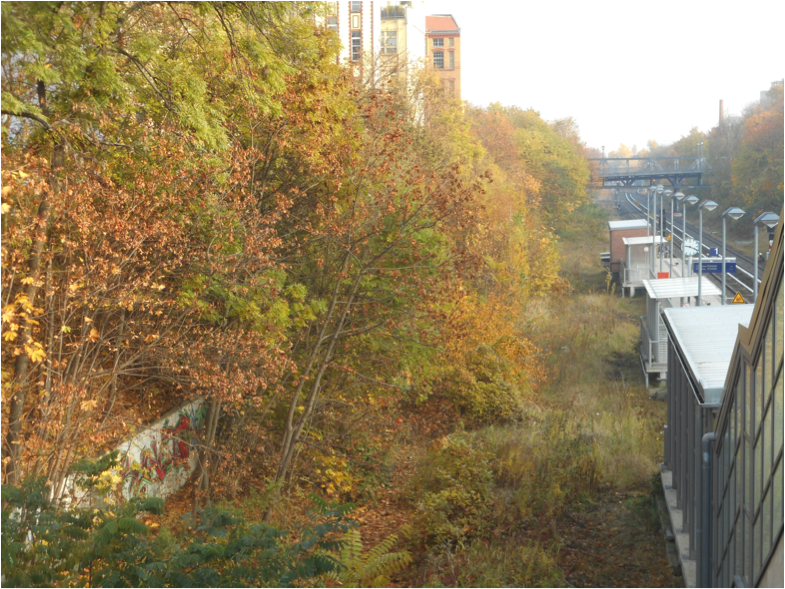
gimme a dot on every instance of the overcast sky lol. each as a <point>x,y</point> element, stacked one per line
<point>626,71</point>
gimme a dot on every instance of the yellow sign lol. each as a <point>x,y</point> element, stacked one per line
<point>738,299</point>
<point>668,238</point>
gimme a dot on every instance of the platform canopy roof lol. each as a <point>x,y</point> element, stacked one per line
<point>642,240</point>
<point>704,338</point>
<point>669,288</point>
<point>628,224</point>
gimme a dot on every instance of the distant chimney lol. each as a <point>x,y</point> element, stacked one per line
<point>722,112</point>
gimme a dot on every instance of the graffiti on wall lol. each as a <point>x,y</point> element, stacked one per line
<point>159,461</point>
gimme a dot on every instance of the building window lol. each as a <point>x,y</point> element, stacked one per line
<point>357,45</point>
<point>332,23</point>
<point>452,60</point>
<point>438,42</point>
<point>389,42</point>
<point>451,86</point>
<point>356,21</point>
<point>332,8</point>
<point>438,60</point>
<point>356,6</point>
<point>452,41</point>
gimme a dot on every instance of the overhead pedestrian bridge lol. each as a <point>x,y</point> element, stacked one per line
<point>625,172</point>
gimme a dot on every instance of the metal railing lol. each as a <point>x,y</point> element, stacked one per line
<point>390,12</point>
<point>647,166</point>
<point>688,420</point>
<point>634,274</point>
<point>653,351</point>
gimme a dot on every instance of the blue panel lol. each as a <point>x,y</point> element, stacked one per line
<point>715,267</point>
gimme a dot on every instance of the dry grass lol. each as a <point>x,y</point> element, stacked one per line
<point>591,437</point>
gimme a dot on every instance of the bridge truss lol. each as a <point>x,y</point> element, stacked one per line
<point>625,172</point>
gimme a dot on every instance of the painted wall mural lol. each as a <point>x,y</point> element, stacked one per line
<point>159,461</point>
<point>155,463</point>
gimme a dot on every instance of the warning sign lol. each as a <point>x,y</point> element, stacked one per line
<point>738,299</point>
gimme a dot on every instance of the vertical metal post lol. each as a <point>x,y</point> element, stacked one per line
<point>683,238</point>
<point>673,236</point>
<point>662,229</point>
<point>755,279</point>
<point>704,531</point>
<point>648,210</point>
<point>722,296</point>
<point>700,252</point>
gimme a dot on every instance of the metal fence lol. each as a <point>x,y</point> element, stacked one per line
<point>689,418</point>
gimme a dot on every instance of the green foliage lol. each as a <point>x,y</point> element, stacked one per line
<point>457,483</point>
<point>44,545</point>
<point>368,569</point>
<point>487,387</point>
<point>553,155</point>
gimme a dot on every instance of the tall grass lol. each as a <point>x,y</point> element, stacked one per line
<point>591,429</point>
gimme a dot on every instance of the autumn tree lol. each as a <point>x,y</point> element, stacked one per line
<point>140,255</point>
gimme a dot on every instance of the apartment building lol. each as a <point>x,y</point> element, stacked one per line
<point>358,27</point>
<point>443,50</point>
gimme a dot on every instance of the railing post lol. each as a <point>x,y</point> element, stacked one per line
<point>704,527</point>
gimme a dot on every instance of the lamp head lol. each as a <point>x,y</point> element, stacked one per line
<point>734,213</point>
<point>770,220</point>
<point>679,196</point>
<point>668,192</point>
<point>659,188</point>
<point>709,205</point>
<point>691,199</point>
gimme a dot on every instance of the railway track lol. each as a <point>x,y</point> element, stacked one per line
<point>741,281</point>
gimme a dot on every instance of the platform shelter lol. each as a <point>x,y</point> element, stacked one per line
<point>661,294</point>
<point>636,266</point>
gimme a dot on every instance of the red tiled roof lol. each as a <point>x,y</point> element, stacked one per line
<point>440,22</point>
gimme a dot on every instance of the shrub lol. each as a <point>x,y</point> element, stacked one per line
<point>370,569</point>
<point>546,465</point>
<point>457,480</point>
<point>44,545</point>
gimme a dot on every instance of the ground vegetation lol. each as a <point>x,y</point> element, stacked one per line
<point>365,281</point>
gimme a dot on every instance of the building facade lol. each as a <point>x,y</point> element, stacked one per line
<point>443,50</point>
<point>357,27</point>
<point>394,41</point>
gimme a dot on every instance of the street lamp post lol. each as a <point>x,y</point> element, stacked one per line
<point>734,213</point>
<point>657,190</point>
<point>709,205</point>
<point>691,199</point>
<point>678,196</point>
<point>770,220</point>
<point>665,193</point>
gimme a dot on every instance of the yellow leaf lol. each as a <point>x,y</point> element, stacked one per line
<point>89,405</point>
<point>27,280</point>
<point>35,353</point>
<point>9,336</point>
<point>94,335</point>
<point>5,207</point>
